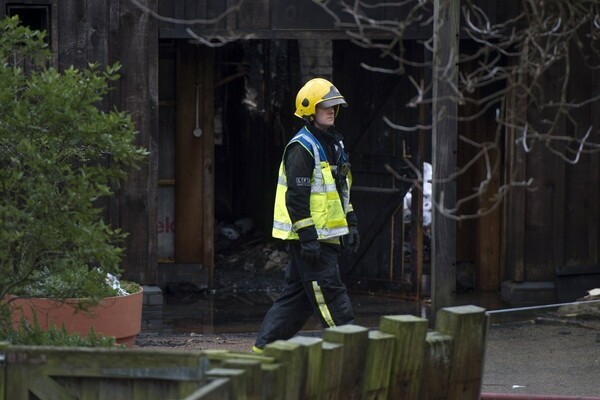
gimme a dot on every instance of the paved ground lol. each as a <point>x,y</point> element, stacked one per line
<point>543,359</point>
<point>547,357</point>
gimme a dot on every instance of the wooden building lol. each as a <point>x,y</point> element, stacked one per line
<point>217,117</point>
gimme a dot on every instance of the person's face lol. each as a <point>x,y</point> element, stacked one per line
<point>324,117</point>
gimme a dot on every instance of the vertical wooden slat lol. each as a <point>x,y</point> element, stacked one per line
<point>445,78</point>
<point>312,347</point>
<point>407,363</point>
<point>558,174</point>
<point>69,29</point>
<point>138,53</point>
<point>378,365</point>
<point>416,216</point>
<point>208,179</point>
<point>294,359</point>
<point>354,340</point>
<point>467,325</point>
<point>488,227</point>
<point>594,173</point>
<point>253,376</point>
<point>332,365</point>
<point>515,204</point>
<point>436,368</point>
<point>16,379</point>
<point>273,381</point>
<point>189,162</point>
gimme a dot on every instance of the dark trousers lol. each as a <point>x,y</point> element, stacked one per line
<point>308,289</point>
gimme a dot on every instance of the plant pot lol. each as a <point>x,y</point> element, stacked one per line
<point>120,316</point>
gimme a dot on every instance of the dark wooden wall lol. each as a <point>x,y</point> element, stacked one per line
<point>265,19</point>
<point>104,32</point>
<point>556,225</point>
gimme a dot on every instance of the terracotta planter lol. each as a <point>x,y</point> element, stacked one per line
<point>120,316</point>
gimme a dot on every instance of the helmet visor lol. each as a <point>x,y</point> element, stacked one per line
<point>333,102</point>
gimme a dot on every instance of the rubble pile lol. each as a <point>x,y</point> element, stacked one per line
<point>246,261</point>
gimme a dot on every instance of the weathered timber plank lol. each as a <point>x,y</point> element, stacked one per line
<point>444,144</point>
<point>217,357</point>
<point>378,365</point>
<point>467,325</point>
<point>253,376</point>
<point>436,368</point>
<point>44,387</point>
<point>295,361</point>
<point>138,53</point>
<point>217,389</point>
<point>95,362</point>
<point>69,20</point>
<point>312,346</point>
<point>354,339</point>
<point>238,379</point>
<point>17,377</point>
<point>407,363</point>
<point>207,112</point>
<point>594,173</point>
<point>254,15</point>
<point>273,381</point>
<point>515,170</point>
<point>189,163</point>
<point>332,365</point>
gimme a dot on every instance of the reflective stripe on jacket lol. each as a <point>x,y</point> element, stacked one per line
<point>328,215</point>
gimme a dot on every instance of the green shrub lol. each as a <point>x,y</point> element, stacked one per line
<point>60,156</point>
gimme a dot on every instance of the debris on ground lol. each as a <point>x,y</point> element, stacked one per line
<point>577,314</point>
<point>246,261</point>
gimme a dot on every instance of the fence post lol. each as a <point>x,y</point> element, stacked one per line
<point>407,364</point>
<point>237,378</point>
<point>312,348</point>
<point>436,370</point>
<point>354,339</point>
<point>253,375</point>
<point>468,326</point>
<point>378,366</point>
<point>273,381</point>
<point>294,358</point>
<point>332,365</point>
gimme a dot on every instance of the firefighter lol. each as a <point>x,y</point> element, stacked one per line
<point>314,214</point>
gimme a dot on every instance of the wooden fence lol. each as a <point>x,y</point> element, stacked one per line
<point>401,359</point>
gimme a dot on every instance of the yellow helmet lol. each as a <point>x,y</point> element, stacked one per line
<point>314,92</point>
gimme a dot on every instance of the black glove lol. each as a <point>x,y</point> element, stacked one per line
<point>352,240</point>
<point>311,248</point>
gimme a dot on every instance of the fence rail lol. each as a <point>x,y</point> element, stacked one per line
<point>400,359</point>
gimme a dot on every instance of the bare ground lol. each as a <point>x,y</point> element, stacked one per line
<point>544,357</point>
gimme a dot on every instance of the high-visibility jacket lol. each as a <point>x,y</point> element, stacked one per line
<point>328,210</point>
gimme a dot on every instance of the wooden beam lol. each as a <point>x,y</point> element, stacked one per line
<point>444,120</point>
<point>407,363</point>
<point>207,113</point>
<point>467,325</point>
<point>189,163</point>
<point>138,53</point>
<point>594,173</point>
